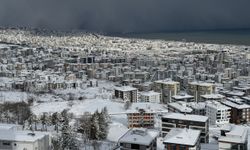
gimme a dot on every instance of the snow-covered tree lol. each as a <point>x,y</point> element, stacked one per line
<point>55,118</point>
<point>68,139</point>
<point>95,129</point>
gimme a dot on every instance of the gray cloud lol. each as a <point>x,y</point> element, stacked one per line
<point>126,15</point>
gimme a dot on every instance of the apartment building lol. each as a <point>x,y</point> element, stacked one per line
<point>150,96</point>
<point>167,88</point>
<point>200,88</point>
<point>140,118</point>
<point>217,113</point>
<point>127,93</point>
<point>233,137</point>
<point>178,120</point>
<point>240,111</point>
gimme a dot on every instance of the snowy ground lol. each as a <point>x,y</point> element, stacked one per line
<point>9,96</point>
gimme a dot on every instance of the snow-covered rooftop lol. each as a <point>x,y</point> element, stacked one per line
<point>236,103</point>
<point>140,136</point>
<point>213,96</point>
<point>125,88</point>
<point>181,106</point>
<point>237,134</point>
<point>182,96</point>
<point>21,136</point>
<point>182,136</point>
<point>188,117</point>
<point>150,93</point>
<point>217,105</point>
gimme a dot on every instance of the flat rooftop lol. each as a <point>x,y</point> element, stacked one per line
<point>140,136</point>
<point>213,96</point>
<point>182,136</point>
<point>182,107</point>
<point>236,134</point>
<point>125,88</point>
<point>179,116</point>
<point>150,93</point>
<point>21,136</point>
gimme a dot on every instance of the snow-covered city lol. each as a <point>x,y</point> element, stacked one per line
<point>86,91</point>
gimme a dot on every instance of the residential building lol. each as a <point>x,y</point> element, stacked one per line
<point>139,139</point>
<point>167,88</point>
<point>240,111</point>
<point>11,138</point>
<point>182,139</point>
<point>217,113</point>
<point>233,137</point>
<point>178,120</point>
<point>179,107</point>
<point>200,88</point>
<point>126,93</point>
<point>208,97</point>
<point>198,108</point>
<point>140,118</point>
<point>183,97</point>
<point>150,96</point>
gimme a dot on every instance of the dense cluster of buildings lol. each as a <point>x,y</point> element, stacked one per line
<point>201,85</point>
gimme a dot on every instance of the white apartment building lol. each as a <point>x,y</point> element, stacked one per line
<point>217,113</point>
<point>150,96</point>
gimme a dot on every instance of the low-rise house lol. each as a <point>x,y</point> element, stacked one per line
<point>139,139</point>
<point>182,139</point>
<point>11,138</point>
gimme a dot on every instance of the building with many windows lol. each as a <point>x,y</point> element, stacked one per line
<point>140,118</point>
<point>240,111</point>
<point>200,88</point>
<point>167,88</point>
<point>150,96</point>
<point>126,93</point>
<point>217,113</point>
<point>178,120</point>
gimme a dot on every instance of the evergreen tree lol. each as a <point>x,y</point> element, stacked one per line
<point>55,120</point>
<point>95,130</point>
<point>44,121</point>
<point>68,140</point>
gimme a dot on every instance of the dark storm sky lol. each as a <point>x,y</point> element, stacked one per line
<point>126,15</point>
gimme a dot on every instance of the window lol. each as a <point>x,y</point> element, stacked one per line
<point>6,143</point>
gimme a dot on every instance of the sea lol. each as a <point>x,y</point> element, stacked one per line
<point>233,37</point>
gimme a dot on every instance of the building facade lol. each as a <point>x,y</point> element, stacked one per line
<point>167,89</point>
<point>177,120</point>
<point>127,93</point>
